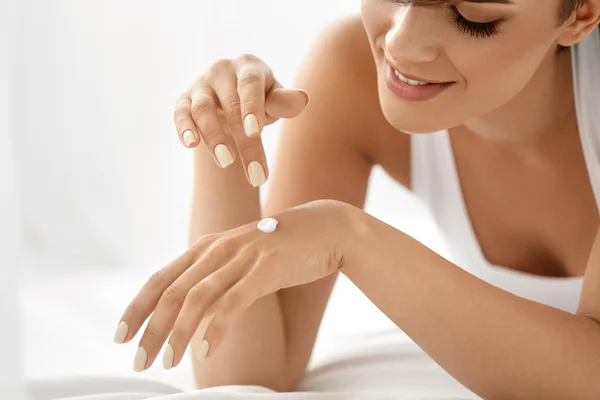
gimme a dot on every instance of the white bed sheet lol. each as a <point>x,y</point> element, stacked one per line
<point>68,322</point>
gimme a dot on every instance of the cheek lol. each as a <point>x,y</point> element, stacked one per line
<point>494,74</point>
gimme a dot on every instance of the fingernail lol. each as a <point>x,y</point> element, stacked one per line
<point>189,138</point>
<point>251,124</point>
<point>204,325</point>
<point>256,173</point>
<point>168,357</point>
<point>139,362</point>
<point>223,155</point>
<point>305,94</point>
<point>203,350</point>
<point>121,332</point>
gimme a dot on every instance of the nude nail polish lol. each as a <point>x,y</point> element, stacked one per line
<point>121,332</point>
<point>251,124</point>
<point>203,350</point>
<point>223,155</point>
<point>189,138</point>
<point>305,94</point>
<point>139,361</point>
<point>256,174</point>
<point>168,357</point>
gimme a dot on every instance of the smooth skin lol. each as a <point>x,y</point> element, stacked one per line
<point>258,299</point>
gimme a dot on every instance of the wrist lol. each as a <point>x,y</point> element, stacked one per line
<point>359,234</point>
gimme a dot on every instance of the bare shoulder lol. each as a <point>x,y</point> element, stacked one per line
<point>347,87</point>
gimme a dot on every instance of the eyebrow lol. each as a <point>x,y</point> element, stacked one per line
<point>490,1</point>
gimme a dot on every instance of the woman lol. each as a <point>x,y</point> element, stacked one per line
<point>500,98</point>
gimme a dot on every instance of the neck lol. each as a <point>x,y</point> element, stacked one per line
<point>543,110</point>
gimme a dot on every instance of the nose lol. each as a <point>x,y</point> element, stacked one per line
<point>412,38</point>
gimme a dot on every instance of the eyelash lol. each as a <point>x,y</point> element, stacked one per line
<point>476,29</point>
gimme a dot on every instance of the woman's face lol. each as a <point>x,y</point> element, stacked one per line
<point>484,53</point>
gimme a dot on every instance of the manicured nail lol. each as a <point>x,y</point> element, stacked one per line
<point>256,173</point>
<point>139,362</point>
<point>168,357</point>
<point>305,94</point>
<point>251,124</point>
<point>189,138</point>
<point>204,325</point>
<point>203,350</point>
<point>121,332</point>
<point>223,155</point>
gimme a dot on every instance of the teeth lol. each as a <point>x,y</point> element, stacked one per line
<point>410,81</point>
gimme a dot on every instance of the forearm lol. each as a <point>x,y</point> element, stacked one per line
<point>497,344</point>
<point>253,352</point>
<point>222,199</point>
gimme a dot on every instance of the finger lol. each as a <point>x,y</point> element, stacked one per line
<point>253,80</point>
<point>285,103</point>
<point>147,298</point>
<point>250,150</point>
<point>186,128</point>
<point>200,300</point>
<point>172,300</point>
<point>205,116</point>
<point>227,312</point>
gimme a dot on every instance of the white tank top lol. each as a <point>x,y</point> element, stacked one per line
<point>435,181</point>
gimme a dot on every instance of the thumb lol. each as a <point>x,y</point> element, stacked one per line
<point>285,103</point>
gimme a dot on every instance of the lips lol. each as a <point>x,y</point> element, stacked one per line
<point>413,88</point>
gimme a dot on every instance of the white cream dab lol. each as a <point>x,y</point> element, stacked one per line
<point>268,225</point>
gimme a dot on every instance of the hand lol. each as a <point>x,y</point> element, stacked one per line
<point>228,107</point>
<point>222,274</point>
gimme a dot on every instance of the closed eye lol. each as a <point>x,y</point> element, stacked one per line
<point>476,29</point>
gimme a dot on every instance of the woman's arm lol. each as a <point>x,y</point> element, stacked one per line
<point>498,345</point>
<point>320,156</point>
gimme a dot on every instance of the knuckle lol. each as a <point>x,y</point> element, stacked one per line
<point>249,78</point>
<point>222,64</point>
<point>248,58</point>
<point>249,105</point>
<point>220,242</point>
<point>208,238</point>
<point>225,245</point>
<point>201,243</point>
<point>209,134</point>
<point>156,280</point>
<point>198,293</point>
<point>182,103</point>
<point>151,336</point>
<point>181,114</point>
<point>232,105</point>
<point>172,296</point>
<point>212,283</point>
<point>202,106</point>
<point>250,147</point>
<point>132,308</point>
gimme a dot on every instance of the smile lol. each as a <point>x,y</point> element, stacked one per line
<point>410,82</point>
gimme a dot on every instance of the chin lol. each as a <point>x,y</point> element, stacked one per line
<point>416,117</point>
<point>411,121</point>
